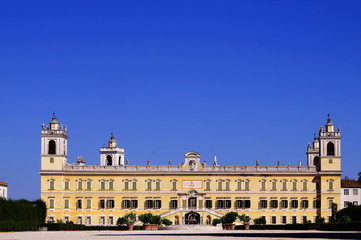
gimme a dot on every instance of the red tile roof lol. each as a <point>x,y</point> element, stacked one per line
<point>350,183</point>
<point>3,184</point>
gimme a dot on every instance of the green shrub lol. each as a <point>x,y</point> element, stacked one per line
<point>216,221</point>
<point>166,221</point>
<point>148,218</point>
<point>229,218</point>
<point>259,221</point>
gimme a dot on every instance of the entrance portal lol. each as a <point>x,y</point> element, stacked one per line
<point>192,218</point>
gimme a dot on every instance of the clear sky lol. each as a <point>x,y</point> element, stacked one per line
<point>246,80</point>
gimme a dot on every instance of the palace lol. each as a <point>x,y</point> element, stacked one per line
<point>191,192</point>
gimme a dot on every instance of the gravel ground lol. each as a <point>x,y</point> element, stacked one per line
<point>180,235</point>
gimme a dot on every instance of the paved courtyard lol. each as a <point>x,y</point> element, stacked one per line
<point>180,235</point>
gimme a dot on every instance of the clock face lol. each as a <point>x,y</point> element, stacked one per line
<point>192,164</point>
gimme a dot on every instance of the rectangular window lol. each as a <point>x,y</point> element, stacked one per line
<point>66,219</point>
<point>263,204</point>
<point>284,186</point>
<point>126,185</point>
<point>157,186</point>
<point>274,204</point>
<point>51,160</point>
<point>239,186</point>
<point>294,219</point>
<point>330,202</point>
<point>149,185</point>
<point>219,186</point>
<point>157,204</point>
<point>66,203</point>
<point>355,192</point>
<point>294,186</point>
<point>110,203</point>
<point>134,204</point>
<point>102,221</point>
<point>239,203</point>
<point>208,186</point>
<point>220,204</point>
<point>66,185</point>
<point>263,186</point>
<point>51,185</point>
<point>174,186</point>
<point>304,219</point>
<point>247,203</point>
<point>208,203</point>
<point>294,204</point>
<point>355,203</point>
<point>330,185</point>
<point>111,220</point>
<point>284,204</point>
<point>227,186</point>
<point>284,219</point>
<point>134,185</point>
<point>88,203</point>
<point>88,185</point>
<point>346,192</point>
<point>273,219</point>
<point>51,203</point>
<point>173,204</point>
<point>304,204</point>
<point>330,160</point>
<point>126,204</point>
<point>79,204</point>
<point>304,186</point>
<point>88,220</point>
<point>102,185</point>
<point>102,204</point>
<point>80,185</point>
<point>148,204</point>
<point>111,185</point>
<point>227,204</point>
<point>246,185</point>
<point>273,186</point>
<point>79,220</point>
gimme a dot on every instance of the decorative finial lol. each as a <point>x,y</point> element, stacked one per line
<point>215,163</point>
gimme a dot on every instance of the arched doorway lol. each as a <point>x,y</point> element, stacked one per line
<point>192,218</point>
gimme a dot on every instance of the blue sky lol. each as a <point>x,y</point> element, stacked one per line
<point>246,80</point>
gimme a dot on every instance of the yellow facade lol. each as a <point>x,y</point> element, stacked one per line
<point>187,193</point>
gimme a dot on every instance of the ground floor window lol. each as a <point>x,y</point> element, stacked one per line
<point>304,219</point>
<point>88,220</point>
<point>273,219</point>
<point>294,219</point>
<point>79,220</point>
<point>284,219</point>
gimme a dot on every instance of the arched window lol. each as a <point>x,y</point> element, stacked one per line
<point>109,160</point>
<point>316,162</point>
<point>52,147</point>
<point>330,149</point>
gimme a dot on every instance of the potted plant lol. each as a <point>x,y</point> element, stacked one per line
<point>246,220</point>
<point>228,220</point>
<point>130,220</point>
<point>150,221</point>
